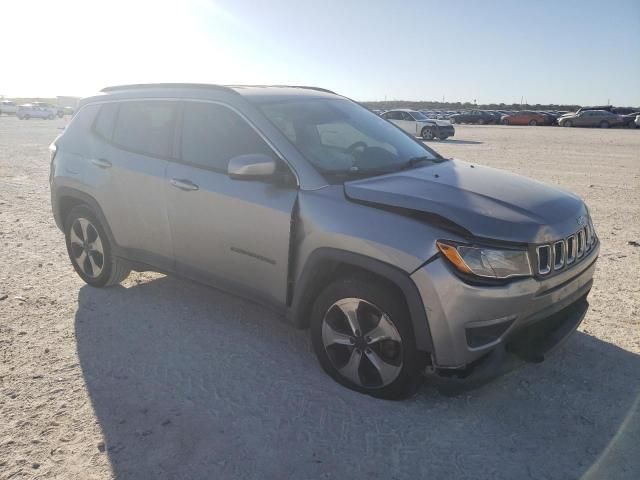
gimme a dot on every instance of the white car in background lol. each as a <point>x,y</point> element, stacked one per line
<point>29,110</point>
<point>58,111</point>
<point>418,125</point>
<point>8,107</point>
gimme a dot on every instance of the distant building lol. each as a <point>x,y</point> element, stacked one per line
<point>68,101</point>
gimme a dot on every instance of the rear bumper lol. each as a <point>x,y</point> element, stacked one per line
<point>467,322</point>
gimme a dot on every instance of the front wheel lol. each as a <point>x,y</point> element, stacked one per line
<point>443,137</point>
<point>427,134</point>
<point>567,123</point>
<point>533,123</point>
<point>604,124</point>
<point>90,250</point>
<point>363,338</point>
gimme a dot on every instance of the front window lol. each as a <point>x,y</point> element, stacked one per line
<point>341,138</point>
<point>419,116</point>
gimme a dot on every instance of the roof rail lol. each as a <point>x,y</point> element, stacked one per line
<point>318,89</point>
<point>136,86</point>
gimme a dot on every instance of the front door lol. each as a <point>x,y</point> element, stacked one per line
<point>232,232</point>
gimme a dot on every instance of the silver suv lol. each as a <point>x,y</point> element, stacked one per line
<point>400,261</point>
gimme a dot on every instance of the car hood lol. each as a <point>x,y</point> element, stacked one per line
<point>486,202</point>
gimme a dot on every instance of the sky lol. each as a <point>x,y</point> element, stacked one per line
<point>547,51</point>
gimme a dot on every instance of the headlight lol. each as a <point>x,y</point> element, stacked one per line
<point>486,262</point>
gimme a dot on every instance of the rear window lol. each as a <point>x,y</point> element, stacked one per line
<point>106,120</point>
<point>146,127</point>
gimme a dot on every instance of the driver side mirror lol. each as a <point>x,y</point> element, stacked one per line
<point>251,166</point>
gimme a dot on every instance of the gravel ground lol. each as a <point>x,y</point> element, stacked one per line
<point>164,378</point>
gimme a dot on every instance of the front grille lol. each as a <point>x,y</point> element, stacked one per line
<point>566,252</point>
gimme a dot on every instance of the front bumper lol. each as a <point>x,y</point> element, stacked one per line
<point>493,314</point>
<point>446,131</point>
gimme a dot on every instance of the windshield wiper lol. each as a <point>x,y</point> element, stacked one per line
<point>415,161</point>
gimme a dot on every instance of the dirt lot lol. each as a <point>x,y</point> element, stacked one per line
<point>163,378</point>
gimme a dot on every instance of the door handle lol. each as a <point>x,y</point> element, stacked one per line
<point>183,184</point>
<point>101,162</point>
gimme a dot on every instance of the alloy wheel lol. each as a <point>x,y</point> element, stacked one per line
<point>86,248</point>
<point>427,134</point>
<point>362,343</point>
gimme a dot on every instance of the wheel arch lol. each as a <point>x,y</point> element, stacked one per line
<point>327,264</point>
<point>66,198</point>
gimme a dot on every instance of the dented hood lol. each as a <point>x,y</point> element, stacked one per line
<point>487,202</point>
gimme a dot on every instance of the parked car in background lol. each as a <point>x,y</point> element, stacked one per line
<point>479,117</point>
<point>57,111</point>
<point>418,125</point>
<point>630,119</point>
<point>68,110</point>
<point>637,121</point>
<point>29,110</point>
<point>526,118</point>
<point>8,107</point>
<point>591,118</point>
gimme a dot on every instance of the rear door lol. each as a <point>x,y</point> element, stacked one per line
<point>137,142</point>
<point>232,232</point>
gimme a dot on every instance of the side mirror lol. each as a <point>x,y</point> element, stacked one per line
<point>251,166</point>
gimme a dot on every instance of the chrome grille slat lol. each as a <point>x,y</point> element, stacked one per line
<point>559,254</point>
<point>544,259</point>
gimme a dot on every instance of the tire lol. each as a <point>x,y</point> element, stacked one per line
<point>604,124</point>
<point>82,224</point>
<point>533,123</point>
<point>481,122</point>
<point>378,309</point>
<point>27,117</point>
<point>506,122</point>
<point>427,133</point>
<point>444,137</point>
<point>567,123</point>
<point>50,117</point>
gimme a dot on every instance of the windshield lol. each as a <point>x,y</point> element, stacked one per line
<point>419,116</point>
<point>339,136</point>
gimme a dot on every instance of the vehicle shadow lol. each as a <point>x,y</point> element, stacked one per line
<point>461,142</point>
<point>188,382</point>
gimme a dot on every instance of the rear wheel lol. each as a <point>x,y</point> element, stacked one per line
<point>363,338</point>
<point>604,124</point>
<point>27,116</point>
<point>533,123</point>
<point>567,123</point>
<point>90,250</point>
